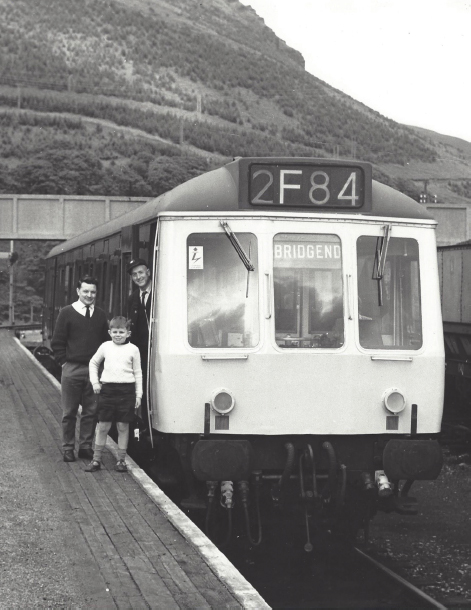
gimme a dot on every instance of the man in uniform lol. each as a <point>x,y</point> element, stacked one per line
<point>139,313</point>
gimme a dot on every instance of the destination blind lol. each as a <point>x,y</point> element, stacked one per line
<point>314,186</point>
<point>307,251</point>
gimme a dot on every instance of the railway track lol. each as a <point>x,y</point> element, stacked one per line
<point>416,595</point>
<point>343,578</point>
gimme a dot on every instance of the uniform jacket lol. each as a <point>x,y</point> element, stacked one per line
<point>139,327</point>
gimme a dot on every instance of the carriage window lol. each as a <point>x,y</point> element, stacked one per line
<point>389,308</point>
<point>222,293</point>
<point>307,272</point>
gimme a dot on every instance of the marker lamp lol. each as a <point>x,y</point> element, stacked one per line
<point>222,401</point>
<point>394,401</point>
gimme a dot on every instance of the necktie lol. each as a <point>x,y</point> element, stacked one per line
<point>143,297</point>
<point>87,314</point>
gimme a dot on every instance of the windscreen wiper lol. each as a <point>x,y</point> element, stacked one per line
<point>382,244</point>
<point>237,247</point>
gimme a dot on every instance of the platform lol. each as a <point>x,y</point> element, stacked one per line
<point>82,540</point>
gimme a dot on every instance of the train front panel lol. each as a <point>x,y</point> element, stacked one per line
<point>327,335</point>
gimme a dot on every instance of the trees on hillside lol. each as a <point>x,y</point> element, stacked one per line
<point>165,173</point>
<point>29,276</point>
<point>61,171</point>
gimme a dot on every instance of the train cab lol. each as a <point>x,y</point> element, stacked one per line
<point>291,322</point>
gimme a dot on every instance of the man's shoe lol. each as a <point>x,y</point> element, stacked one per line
<point>87,454</point>
<point>93,466</point>
<point>69,456</point>
<point>121,466</point>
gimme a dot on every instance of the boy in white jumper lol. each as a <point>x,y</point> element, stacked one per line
<point>120,390</point>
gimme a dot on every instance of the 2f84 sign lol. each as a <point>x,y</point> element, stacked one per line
<point>313,186</point>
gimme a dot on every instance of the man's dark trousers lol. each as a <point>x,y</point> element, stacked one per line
<point>139,315</point>
<point>77,390</point>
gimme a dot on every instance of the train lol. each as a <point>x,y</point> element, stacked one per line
<point>454,265</point>
<point>296,353</point>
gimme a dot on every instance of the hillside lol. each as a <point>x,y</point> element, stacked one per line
<point>132,97</point>
<point>107,97</point>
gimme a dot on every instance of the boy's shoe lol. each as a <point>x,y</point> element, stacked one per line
<point>93,466</point>
<point>121,466</point>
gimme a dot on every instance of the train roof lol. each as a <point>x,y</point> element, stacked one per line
<point>220,190</point>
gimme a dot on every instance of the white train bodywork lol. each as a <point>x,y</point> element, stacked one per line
<point>318,390</point>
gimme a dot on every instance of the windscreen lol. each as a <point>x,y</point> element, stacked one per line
<point>307,273</point>
<point>389,306</point>
<point>222,293</point>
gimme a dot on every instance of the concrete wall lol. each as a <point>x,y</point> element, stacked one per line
<point>58,217</point>
<point>454,222</point>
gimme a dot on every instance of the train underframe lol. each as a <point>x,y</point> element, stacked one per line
<point>332,484</point>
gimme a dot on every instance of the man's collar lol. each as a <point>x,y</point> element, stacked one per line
<point>79,306</point>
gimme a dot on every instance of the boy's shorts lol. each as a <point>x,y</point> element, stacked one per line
<point>116,402</point>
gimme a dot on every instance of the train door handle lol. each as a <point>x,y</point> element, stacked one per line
<point>267,296</point>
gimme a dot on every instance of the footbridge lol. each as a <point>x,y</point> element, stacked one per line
<point>58,216</point>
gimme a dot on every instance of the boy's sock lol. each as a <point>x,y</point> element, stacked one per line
<point>97,452</point>
<point>123,438</point>
<point>102,430</point>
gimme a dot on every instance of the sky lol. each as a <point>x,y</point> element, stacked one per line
<point>406,59</point>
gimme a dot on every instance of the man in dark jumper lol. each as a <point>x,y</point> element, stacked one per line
<point>139,313</point>
<point>80,330</point>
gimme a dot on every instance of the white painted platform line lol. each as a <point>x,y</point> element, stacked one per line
<point>241,589</point>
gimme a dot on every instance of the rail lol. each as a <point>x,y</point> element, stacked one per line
<point>418,594</point>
